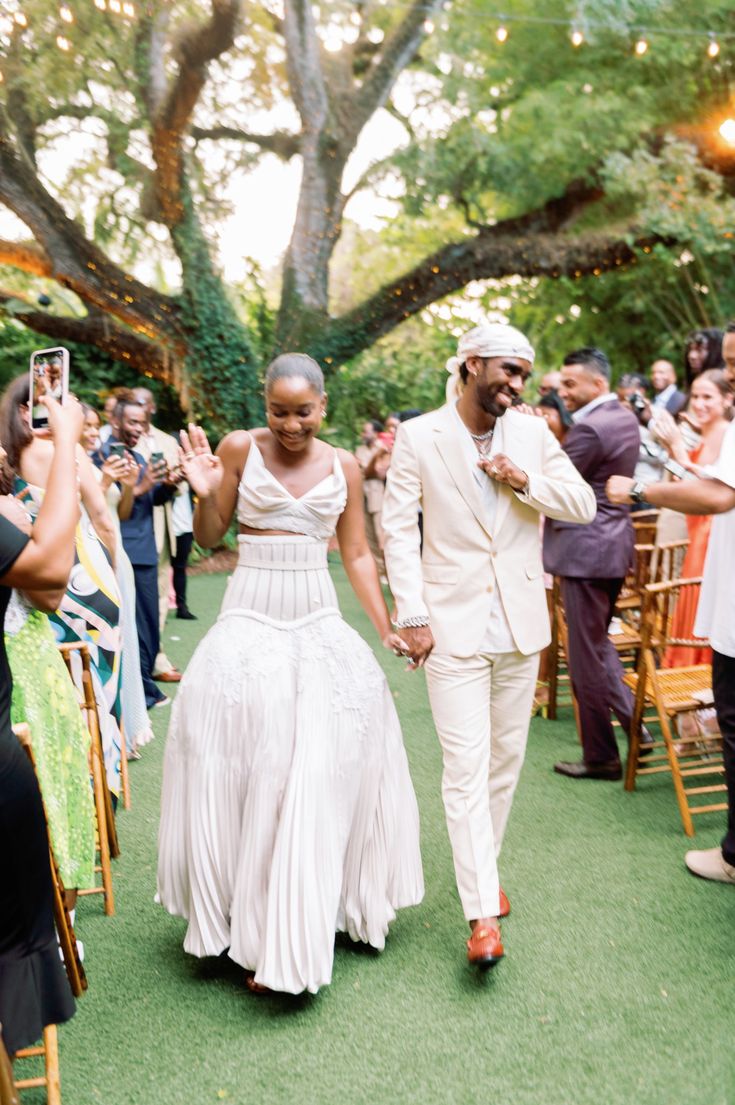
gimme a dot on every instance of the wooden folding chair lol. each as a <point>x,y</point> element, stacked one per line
<point>51,1078</point>
<point>560,681</point>
<point>8,1096</point>
<point>107,842</point>
<point>645,524</point>
<point>668,694</point>
<point>67,939</point>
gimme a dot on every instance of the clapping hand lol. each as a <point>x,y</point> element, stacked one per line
<point>202,470</point>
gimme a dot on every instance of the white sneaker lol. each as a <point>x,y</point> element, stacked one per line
<point>165,701</point>
<point>710,864</point>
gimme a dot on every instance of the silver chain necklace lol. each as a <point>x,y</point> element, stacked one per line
<point>483,437</point>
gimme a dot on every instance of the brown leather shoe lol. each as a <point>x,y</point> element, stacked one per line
<point>504,904</point>
<point>611,771</point>
<point>484,947</point>
<point>172,676</point>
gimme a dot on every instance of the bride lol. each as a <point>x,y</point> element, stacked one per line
<point>288,811</point>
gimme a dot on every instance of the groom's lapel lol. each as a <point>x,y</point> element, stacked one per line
<point>446,439</point>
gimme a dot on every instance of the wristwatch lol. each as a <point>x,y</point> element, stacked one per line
<point>637,493</point>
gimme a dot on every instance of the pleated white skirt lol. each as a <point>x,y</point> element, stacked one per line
<point>288,811</point>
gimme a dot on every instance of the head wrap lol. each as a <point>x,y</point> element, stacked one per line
<point>489,339</point>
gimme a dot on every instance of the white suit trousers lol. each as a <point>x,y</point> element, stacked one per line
<point>482,709</point>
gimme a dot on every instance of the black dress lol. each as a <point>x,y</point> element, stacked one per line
<point>34,990</point>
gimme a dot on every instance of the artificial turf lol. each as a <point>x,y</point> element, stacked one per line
<point>618,984</point>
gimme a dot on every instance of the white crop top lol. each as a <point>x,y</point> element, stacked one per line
<point>264,503</point>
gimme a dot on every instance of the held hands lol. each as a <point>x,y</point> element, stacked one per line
<point>502,469</point>
<point>201,468</point>
<point>618,489</point>
<point>414,643</point>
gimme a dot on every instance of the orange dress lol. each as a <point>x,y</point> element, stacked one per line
<point>682,623</point>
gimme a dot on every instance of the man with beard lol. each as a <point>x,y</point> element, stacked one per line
<point>604,441</point>
<point>472,608</point>
<point>136,528</point>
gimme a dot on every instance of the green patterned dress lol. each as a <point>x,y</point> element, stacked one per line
<point>45,698</point>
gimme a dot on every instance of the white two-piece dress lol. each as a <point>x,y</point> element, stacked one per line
<point>288,811</point>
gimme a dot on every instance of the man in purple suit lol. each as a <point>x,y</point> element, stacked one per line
<point>592,560</point>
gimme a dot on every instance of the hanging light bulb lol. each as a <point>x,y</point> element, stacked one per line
<point>101,5</point>
<point>428,26</point>
<point>115,6</point>
<point>713,48</point>
<point>63,43</point>
<point>727,130</point>
<point>20,19</point>
<point>66,14</point>
<point>577,37</point>
<point>641,46</point>
<point>502,34</point>
<point>129,10</point>
<point>6,25</point>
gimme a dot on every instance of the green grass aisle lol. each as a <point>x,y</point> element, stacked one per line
<point>618,985</point>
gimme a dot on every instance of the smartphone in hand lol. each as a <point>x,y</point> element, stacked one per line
<point>49,376</point>
<point>117,449</point>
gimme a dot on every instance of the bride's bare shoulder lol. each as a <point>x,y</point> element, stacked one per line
<point>233,449</point>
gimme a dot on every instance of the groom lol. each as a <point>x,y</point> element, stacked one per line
<point>472,607</point>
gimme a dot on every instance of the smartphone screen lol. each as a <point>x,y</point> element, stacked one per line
<point>117,449</point>
<point>49,375</point>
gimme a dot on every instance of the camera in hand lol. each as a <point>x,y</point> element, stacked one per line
<point>637,402</point>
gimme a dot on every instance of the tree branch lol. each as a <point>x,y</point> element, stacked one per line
<point>281,143</point>
<point>26,256</point>
<point>304,66</point>
<point>74,261</point>
<point>97,330</point>
<point>398,51</point>
<point>493,253</point>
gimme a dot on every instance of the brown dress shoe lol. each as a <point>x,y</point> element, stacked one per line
<point>484,947</point>
<point>504,904</point>
<point>172,676</point>
<point>611,770</point>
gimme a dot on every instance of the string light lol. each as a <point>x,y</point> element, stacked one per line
<point>101,5</point>
<point>6,25</point>
<point>63,43</point>
<point>66,14</point>
<point>428,26</point>
<point>577,37</point>
<point>502,34</point>
<point>713,48</point>
<point>727,130</point>
<point>641,47</point>
<point>20,19</point>
<point>129,10</point>
<point>115,6</point>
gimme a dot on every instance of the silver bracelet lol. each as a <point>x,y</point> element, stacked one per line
<point>417,622</point>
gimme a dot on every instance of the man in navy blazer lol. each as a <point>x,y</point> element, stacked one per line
<point>128,423</point>
<point>593,560</point>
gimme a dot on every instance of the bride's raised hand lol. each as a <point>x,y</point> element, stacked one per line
<point>202,469</point>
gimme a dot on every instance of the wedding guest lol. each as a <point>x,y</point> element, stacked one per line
<point>712,493</point>
<point>710,401</point>
<point>592,560</point>
<point>90,608</point>
<point>473,608</point>
<point>138,537</point>
<point>34,991</point>
<point>373,488</point>
<point>728,352</point>
<point>702,350</point>
<point>287,809</point>
<point>549,382</point>
<point>152,443</point>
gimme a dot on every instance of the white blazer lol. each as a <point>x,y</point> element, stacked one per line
<point>463,562</point>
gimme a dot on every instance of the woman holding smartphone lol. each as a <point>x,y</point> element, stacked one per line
<point>34,991</point>
<point>288,811</point>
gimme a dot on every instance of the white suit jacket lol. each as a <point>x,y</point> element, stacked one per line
<point>463,562</point>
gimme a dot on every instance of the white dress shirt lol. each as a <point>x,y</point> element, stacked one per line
<point>498,636</point>
<point>662,397</point>
<point>716,610</point>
